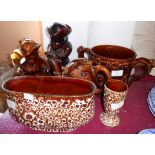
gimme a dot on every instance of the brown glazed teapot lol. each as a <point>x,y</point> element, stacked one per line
<point>120,61</point>
<point>83,69</point>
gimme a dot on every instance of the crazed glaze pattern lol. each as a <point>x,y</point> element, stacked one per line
<point>52,114</point>
<point>113,97</point>
<point>109,117</point>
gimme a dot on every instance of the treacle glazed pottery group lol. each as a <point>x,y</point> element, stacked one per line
<point>55,94</point>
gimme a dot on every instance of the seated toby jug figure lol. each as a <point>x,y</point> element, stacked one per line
<point>31,63</point>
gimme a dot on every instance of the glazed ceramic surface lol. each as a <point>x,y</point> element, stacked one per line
<point>83,69</point>
<point>59,48</point>
<point>115,92</point>
<point>121,61</point>
<point>27,60</point>
<point>54,104</point>
<point>147,131</point>
<point>151,100</point>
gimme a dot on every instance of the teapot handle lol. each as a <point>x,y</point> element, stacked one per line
<point>103,69</point>
<point>144,61</point>
<point>81,50</point>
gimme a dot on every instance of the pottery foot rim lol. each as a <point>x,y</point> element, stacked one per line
<point>109,120</point>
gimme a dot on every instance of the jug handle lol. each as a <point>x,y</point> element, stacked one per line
<point>103,69</point>
<point>81,50</point>
<point>144,61</point>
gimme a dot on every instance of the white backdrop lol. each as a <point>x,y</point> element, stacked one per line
<point>91,33</point>
<point>144,39</point>
<point>118,33</point>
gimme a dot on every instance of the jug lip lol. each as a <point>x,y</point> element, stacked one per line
<point>132,52</point>
<point>92,92</point>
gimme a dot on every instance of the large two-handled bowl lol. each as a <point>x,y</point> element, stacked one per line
<point>119,60</point>
<point>54,104</point>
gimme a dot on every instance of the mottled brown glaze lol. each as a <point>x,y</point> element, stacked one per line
<point>54,104</point>
<point>116,58</point>
<point>83,69</point>
<point>115,92</point>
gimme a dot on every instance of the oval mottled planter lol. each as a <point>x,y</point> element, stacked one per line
<point>54,104</point>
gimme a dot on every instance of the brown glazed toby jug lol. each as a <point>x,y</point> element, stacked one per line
<point>27,60</point>
<point>83,69</point>
<point>60,47</point>
<point>121,61</point>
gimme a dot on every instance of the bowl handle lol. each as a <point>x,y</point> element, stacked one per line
<point>81,50</point>
<point>147,64</point>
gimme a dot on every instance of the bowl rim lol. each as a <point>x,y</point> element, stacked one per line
<point>92,93</point>
<point>110,58</point>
